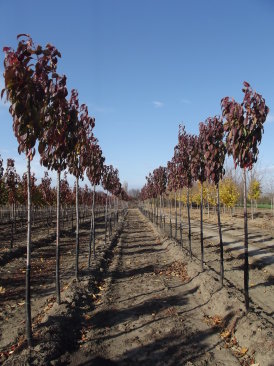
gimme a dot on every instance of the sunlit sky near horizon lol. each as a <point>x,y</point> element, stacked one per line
<point>145,66</point>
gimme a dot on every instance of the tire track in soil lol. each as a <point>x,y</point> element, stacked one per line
<point>145,316</point>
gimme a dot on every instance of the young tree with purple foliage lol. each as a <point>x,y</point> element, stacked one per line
<point>12,180</point>
<point>184,147</point>
<point>94,173</point>
<point>160,180</point>
<point>56,142</point>
<point>172,186</point>
<point>215,152</point>
<point>27,72</point>
<point>78,157</point>
<point>244,127</point>
<point>198,165</point>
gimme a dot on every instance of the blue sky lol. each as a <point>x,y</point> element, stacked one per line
<point>145,66</point>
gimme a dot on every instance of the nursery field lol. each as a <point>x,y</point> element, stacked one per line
<point>108,265</point>
<point>261,250</point>
<point>143,301</point>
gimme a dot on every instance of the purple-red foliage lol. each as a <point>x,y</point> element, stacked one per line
<point>198,170</point>
<point>95,165</point>
<point>27,72</point>
<point>160,180</point>
<point>244,126</point>
<point>46,190</point>
<point>214,148</point>
<point>183,154</point>
<point>173,177</point>
<point>12,180</point>
<point>110,180</point>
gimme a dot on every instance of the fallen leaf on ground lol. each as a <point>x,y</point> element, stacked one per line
<point>2,290</point>
<point>225,334</point>
<point>243,350</point>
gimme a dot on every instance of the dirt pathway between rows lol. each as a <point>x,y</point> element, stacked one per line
<point>261,269</point>
<point>149,311</point>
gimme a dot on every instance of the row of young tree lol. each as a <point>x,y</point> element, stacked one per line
<point>230,192</point>
<point>13,190</point>
<point>201,158</point>
<point>44,116</point>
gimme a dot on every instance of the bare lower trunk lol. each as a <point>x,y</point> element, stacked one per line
<point>189,223</point>
<point>77,229</point>
<point>93,221</point>
<point>90,235</point>
<point>12,227</point>
<point>160,210</point>
<point>170,225</point>
<point>106,219</point>
<point>175,203</point>
<point>220,237</point>
<point>57,275</point>
<point>28,305</point>
<point>180,213</point>
<point>201,229</point>
<point>246,265</point>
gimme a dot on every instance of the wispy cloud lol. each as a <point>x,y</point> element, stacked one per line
<point>270,118</point>
<point>157,104</point>
<point>185,101</point>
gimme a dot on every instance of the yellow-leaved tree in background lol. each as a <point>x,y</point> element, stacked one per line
<point>254,192</point>
<point>229,193</point>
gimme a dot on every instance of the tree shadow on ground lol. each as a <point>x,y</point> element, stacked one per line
<point>112,317</point>
<point>177,348</point>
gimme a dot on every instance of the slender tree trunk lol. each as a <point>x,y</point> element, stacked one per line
<point>12,227</point>
<point>28,269</point>
<point>201,229</point>
<point>246,265</point>
<point>180,213</point>
<point>109,217</point>
<point>90,239</point>
<point>189,223</point>
<point>176,220</point>
<point>164,216</point>
<point>92,228</point>
<point>58,298</point>
<point>93,220</point>
<point>160,211</point>
<point>154,210</point>
<point>77,229</point>
<point>14,215</point>
<point>106,214</point>
<point>157,222</point>
<point>221,238</point>
<point>170,225</point>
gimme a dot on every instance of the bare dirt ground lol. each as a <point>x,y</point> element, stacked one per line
<point>147,303</point>
<point>261,255</point>
<point>12,277</point>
